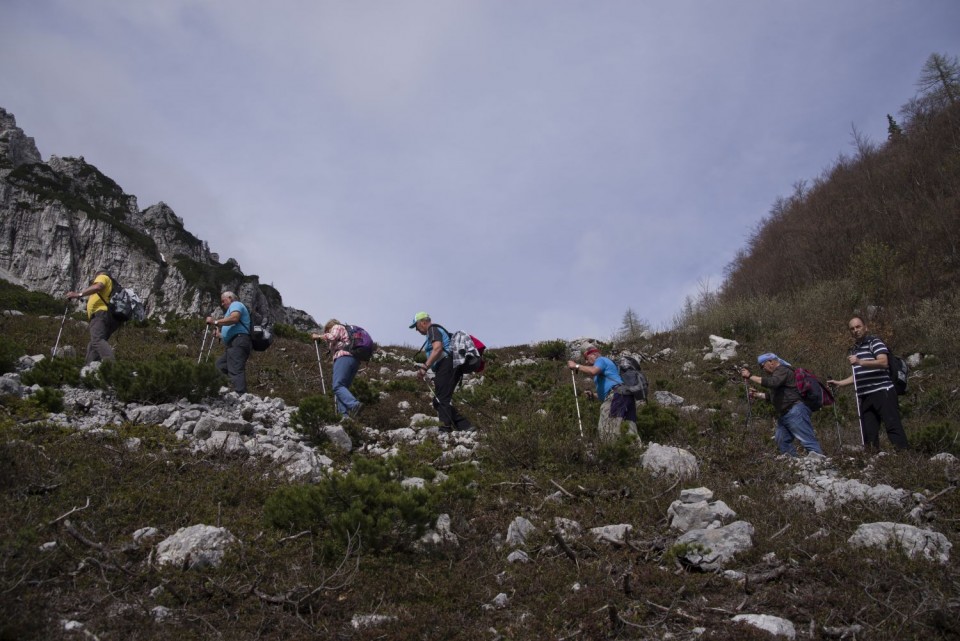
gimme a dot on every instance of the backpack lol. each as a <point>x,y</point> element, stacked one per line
<point>361,345</point>
<point>634,380</point>
<point>813,393</point>
<point>261,334</point>
<point>899,371</point>
<point>466,351</point>
<point>124,304</point>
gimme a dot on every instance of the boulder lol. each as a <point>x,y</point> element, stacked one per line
<point>195,547</point>
<point>774,625</point>
<point>664,459</point>
<point>913,541</point>
<point>518,531</point>
<point>711,549</point>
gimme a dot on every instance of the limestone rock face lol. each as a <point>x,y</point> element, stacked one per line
<point>63,220</point>
<point>16,148</point>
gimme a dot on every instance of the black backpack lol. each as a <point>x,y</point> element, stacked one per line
<point>261,334</point>
<point>634,380</point>
<point>899,371</point>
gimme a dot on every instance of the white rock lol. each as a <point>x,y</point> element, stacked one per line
<point>774,625</point>
<point>518,531</point>
<point>667,399</point>
<point>612,533</point>
<point>913,541</point>
<point>360,621</point>
<point>663,459</point>
<point>518,556</point>
<point>196,546</point>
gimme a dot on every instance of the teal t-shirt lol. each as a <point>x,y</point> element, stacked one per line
<point>435,333</point>
<point>227,332</point>
<point>608,378</point>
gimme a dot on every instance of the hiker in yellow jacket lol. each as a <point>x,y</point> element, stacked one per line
<point>102,323</point>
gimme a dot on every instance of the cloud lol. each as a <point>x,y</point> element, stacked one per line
<point>522,170</point>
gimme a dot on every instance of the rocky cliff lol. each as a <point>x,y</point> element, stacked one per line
<point>63,220</point>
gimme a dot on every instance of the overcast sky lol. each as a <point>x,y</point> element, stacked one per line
<point>523,170</point>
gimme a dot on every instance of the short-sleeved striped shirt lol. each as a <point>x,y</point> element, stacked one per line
<point>870,379</point>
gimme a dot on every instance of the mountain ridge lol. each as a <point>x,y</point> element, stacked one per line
<point>63,220</point>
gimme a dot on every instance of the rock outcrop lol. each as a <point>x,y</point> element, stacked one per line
<point>63,220</point>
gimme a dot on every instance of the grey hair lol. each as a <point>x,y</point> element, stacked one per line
<point>229,295</point>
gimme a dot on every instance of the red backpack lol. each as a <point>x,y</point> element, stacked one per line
<point>813,393</point>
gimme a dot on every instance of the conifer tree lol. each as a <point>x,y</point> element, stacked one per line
<point>940,79</point>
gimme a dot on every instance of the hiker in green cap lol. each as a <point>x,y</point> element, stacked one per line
<point>439,360</point>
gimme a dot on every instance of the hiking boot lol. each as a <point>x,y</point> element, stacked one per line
<point>446,429</point>
<point>355,410</point>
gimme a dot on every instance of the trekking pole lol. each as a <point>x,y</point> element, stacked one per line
<point>323,384</point>
<point>746,389</point>
<point>64,320</point>
<point>576,398</point>
<point>213,339</point>
<point>203,343</point>
<point>863,439</point>
<point>836,417</point>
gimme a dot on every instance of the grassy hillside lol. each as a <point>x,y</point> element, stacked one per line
<point>87,492</point>
<point>294,584</point>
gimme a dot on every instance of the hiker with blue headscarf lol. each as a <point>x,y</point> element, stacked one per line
<point>793,415</point>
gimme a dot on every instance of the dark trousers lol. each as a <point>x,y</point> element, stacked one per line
<point>445,380</point>
<point>233,363</point>
<point>102,325</point>
<point>880,407</point>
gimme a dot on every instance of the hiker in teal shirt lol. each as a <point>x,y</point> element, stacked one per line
<point>615,408</point>
<point>234,330</point>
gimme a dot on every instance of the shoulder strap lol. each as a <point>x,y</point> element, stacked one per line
<point>445,331</point>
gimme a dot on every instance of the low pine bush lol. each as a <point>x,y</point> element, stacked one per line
<point>366,506</point>
<point>54,372</point>
<point>10,351</point>
<point>312,415</point>
<point>937,437</point>
<point>49,400</point>
<point>555,350</point>
<point>160,381</point>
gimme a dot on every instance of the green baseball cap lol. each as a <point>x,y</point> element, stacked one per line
<point>419,316</point>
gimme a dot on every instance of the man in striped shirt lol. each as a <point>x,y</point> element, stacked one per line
<point>876,397</point>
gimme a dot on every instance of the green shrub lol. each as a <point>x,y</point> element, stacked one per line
<point>54,372</point>
<point>312,415</point>
<point>555,350</point>
<point>160,381</point>
<point>656,423</point>
<point>937,437</point>
<point>49,400</point>
<point>19,298</point>
<point>282,330</point>
<point>364,392</point>
<point>10,351</point>
<point>367,506</point>
<point>533,443</point>
<point>622,452</point>
<point>404,385</point>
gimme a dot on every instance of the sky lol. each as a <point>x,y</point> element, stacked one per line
<point>522,170</point>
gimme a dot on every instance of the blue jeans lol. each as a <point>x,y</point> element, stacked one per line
<point>344,369</point>
<point>795,424</point>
